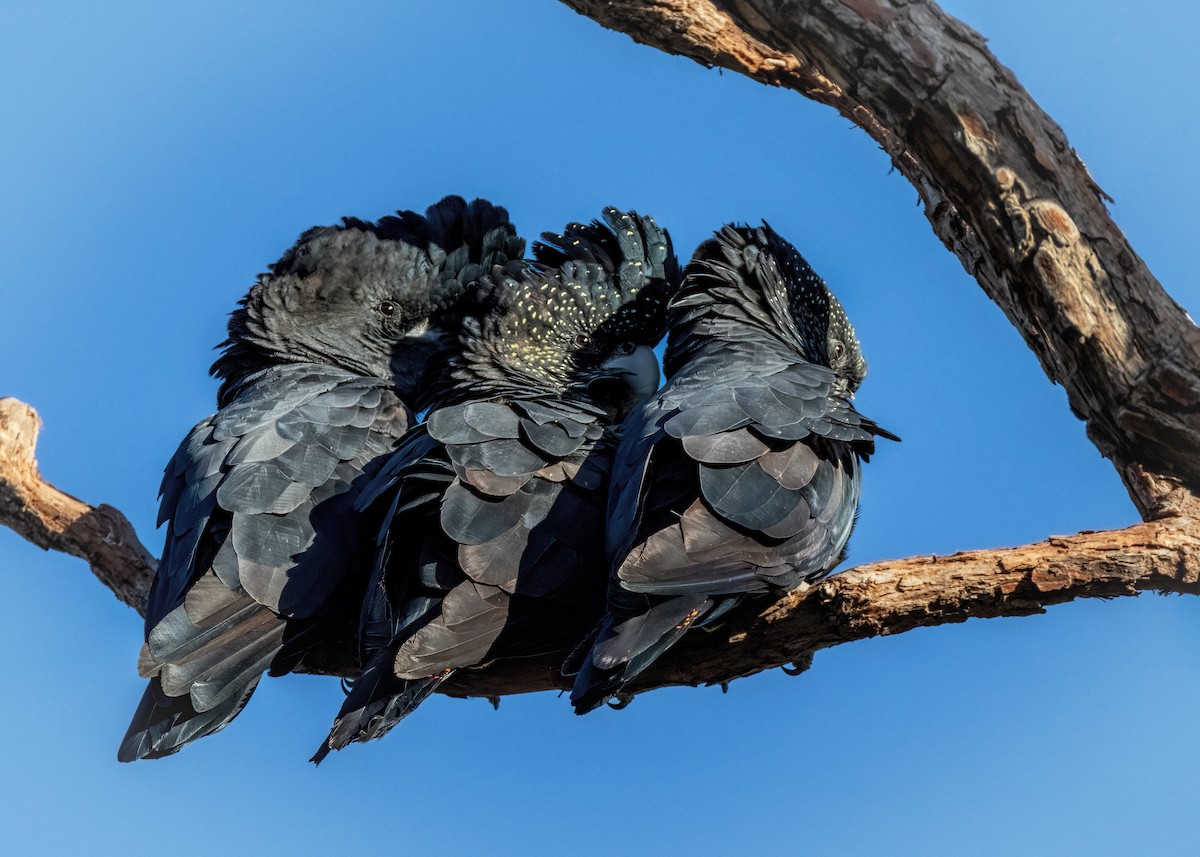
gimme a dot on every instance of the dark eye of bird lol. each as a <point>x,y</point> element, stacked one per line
<point>582,340</point>
<point>838,349</point>
<point>626,348</point>
<point>386,307</point>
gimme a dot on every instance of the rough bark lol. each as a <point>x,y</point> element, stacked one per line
<point>871,600</point>
<point>40,513</point>
<point>894,596</point>
<point>1005,192</point>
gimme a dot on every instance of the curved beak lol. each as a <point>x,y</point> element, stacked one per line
<point>639,370</point>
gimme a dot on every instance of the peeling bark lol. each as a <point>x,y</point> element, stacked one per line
<point>52,520</point>
<point>1003,190</point>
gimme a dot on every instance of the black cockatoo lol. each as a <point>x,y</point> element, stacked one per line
<point>262,537</point>
<point>742,474</point>
<point>493,542</point>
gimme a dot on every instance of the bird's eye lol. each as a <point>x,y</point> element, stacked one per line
<point>627,348</point>
<point>582,340</point>
<point>837,350</point>
<point>386,308</point>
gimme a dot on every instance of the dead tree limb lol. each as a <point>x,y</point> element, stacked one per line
<point>894,596</point>
<point>40,513</point>
<point>871,600</point>
<point>1005,192</point>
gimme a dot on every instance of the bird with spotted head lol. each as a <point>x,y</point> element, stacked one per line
<point>742,475</point>
<point>492,544</point>
<point>317,375</point>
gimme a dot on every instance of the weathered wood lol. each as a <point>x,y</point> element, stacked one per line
<point>40,513</point>
<point>1003,190</point>
<point>895,596</point>
<point>871,600</point>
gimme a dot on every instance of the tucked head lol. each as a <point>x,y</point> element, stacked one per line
<point>815,311</point>
<point>755,278</point>
<point>579,325</point>
<point>367,297</point>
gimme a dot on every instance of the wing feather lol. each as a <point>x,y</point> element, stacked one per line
<point>259,501</point>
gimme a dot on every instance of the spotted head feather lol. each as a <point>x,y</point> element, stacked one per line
<point>755,277</point>
<point>597,291</point>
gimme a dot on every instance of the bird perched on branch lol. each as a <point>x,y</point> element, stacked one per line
<point>493,543</point>
<point>262,537</point>
<point>742,474</point>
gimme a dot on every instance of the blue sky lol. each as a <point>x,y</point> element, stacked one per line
<point>155,157</point>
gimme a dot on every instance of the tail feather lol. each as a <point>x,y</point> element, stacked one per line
<point>163,724</point>
<point>204,660</point>
<point>623,650</point>
<point>377,701</point>
<point>177,637</point>
<point>217,670</point>
<point>209,693</point>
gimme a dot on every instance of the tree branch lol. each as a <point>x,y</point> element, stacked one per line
<point>895,596</point>
<point>872,600</point>
<point>52,520</point>
<point>1003,190</point>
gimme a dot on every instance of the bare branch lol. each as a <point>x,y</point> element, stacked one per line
<point>871,600</point>
<point>1003,190</point>
<point>40,513</point>
<point>894,596</point>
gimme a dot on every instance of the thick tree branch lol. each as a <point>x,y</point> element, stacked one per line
<point>1003,190</point>
<point>894,596</point>
<point>871,600</point>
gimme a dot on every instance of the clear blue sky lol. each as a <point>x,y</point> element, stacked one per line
<point>154,159</point>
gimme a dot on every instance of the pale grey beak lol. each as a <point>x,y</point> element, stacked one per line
<point>639,369</point>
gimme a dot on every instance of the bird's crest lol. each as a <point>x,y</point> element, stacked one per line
<point>465,240</point>
<point>755,277</point>
<point>594,286</point>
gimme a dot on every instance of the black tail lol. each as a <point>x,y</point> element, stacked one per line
<point>163,724</point>
<point>204,659</point>
<point>624,649</point>
<point>376,702</point>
